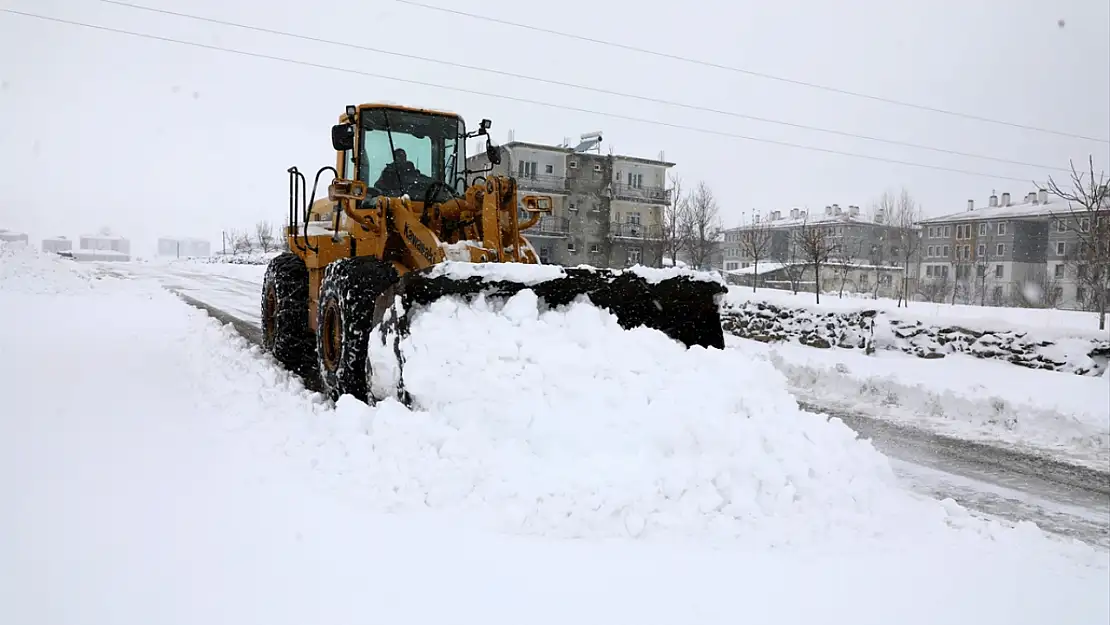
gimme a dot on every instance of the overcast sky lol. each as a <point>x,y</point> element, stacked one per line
<point>153,138</point>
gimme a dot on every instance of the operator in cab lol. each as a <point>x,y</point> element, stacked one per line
<point>401,176</point>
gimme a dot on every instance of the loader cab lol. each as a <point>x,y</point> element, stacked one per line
<point>401,151</point>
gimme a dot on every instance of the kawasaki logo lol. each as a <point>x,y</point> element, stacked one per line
<point>418,244</point>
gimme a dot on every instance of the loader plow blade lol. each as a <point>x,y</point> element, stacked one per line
<point>683,305</point>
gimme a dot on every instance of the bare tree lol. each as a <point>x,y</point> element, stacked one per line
<point>264,236</point>
<point>701,226</point>
<point>240,241</point>
<point>1088,218</point>
<point>816,247</point>
<point>962,264</point>
<point>845,259</point>
<point>672,238</point>
<point>755,243</point>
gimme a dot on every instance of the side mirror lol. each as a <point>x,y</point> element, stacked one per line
<point>493,153</point>
<point>343,137</point>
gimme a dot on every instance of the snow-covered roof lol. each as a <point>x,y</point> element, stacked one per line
<point>819,219</point>
<point>104,237</point>
<point>1026,209</point>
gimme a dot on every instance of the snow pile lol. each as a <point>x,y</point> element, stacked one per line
<point>30,271</point>
<point>870,329</point>
<point>254,257</point>
<point>560,422</point>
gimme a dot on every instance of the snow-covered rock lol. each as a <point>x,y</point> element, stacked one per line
<point>870,329</point>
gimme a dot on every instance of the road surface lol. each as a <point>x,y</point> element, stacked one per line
<point>1060,498</point>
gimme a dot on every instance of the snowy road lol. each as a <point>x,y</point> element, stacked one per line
<point>994,482</point>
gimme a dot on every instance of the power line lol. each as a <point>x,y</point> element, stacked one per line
<point>574,86</point>
<point>749,72</point>
<point>476,92</point>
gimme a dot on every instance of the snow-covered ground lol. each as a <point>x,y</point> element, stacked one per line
<point>1060,414</point>
<point>1047,322</point>
<point>156,468</point>
<point>1064,415</point>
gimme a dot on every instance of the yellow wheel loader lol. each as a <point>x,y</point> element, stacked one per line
<point>401,207</point>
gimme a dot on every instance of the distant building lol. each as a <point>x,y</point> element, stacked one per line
<point>1008,254</point>
<point>183,248</point>
<point>56,244</point>
<point>14,239</point>
<point>865,254</point>
<point>105,242</point>
<point>607,209</point>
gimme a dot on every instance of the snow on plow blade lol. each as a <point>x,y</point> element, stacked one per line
<point>682,304</point>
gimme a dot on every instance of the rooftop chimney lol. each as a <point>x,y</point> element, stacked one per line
<point>1006,198</point>
<point>793,213</point>
<point>802,214</point>
<point>828,210</point>
<point>970,205</point>
<point>836,209</point>
<point>853,211</point>
<point>1042,196</point>
<point>994,200</point>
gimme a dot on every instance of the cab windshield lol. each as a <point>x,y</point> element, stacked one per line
<point>405,152</point>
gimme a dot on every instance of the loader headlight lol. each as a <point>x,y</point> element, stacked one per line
<point>351,111</point>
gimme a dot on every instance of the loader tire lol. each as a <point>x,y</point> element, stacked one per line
<point>285,330</point>
<point>345,317</point>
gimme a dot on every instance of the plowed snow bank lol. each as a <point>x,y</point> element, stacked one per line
<point>564,423</point>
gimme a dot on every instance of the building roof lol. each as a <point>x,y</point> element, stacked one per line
<point>1026,209</point>
<point>565,150</point>
<point>820,219</point>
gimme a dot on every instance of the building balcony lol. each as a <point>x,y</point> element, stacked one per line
<point>542,183</point>
<point>549,226</point>
<point>635,231</point>
<point>622,191</point>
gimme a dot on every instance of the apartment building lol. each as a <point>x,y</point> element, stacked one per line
<point>607,210</point>
<point>866,253</point>
<point>1005,254</point>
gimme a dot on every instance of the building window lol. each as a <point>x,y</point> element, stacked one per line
<point>998,271</point>
<point>963,231</point>
<point>635,181</point>
<point>1058,271</point>
<point>929,271</point>
<point>932,232</point>
<point>597,166</point>
<point>997,295</point>
<point>731,266</point>
<point>1061,247</point>
<point>1081,272</point>
<point>982,230</point>
<point>548,169</point>
<point>981,271</point>
<point>1061,225</point>
<point>594,248</point>
<point>1001,249</point>
<point>1001,228</point>
<point>947,231</point>
<point>526,169</point>
<point>545,254</point>
<point>570,247</point>
<point>931,252</point>
<point>1085,224</point>
<point>945,251</point>
<point>981,251</point>
<point>573,164</point>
